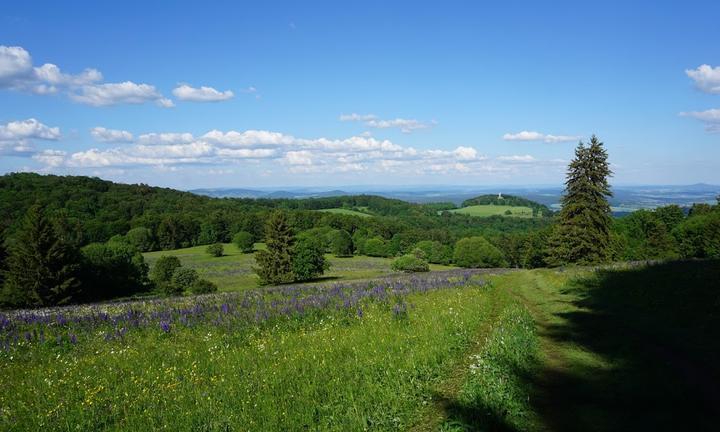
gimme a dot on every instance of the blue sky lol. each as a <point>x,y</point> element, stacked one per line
<point>335,93</point>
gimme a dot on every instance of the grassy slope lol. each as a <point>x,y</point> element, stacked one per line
<point>338,373</point>
<point>233,271</point>
<point>491,210</point>
<point>346,212</point>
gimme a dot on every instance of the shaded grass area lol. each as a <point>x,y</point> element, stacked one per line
<point>492,210</point>
<point>330,372</point>
<point>233,271</point>
<point>625,348</point>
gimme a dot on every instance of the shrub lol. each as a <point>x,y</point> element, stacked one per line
<point>141,238</point>
<point>410,264</point>
<point>112,269</point>
<point>203,286</point>
<point>184,278</point>
<point>215,249</point>
<point>435,252</point>
<point>341,244</point>
<point>476,252</point>
<point>244,241</point>
<point>376,247</point>
<point>164,268</point>
<point>309,259</point>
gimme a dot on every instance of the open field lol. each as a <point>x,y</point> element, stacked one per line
<point>346,212</point>
<point>233,271</point>
<point>493,210</point>
<point>629,347</point>
<point>341,358</point>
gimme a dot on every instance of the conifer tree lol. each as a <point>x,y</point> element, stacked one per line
<point>583,233</point>
<point>42,267</point>
<point>274,265</point>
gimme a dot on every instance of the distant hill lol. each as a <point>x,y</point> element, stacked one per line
<point>507,200</point>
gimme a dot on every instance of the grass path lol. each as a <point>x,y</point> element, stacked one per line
<point>635,348</point>
<point>446,391</point>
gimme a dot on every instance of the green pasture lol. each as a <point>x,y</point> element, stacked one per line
<point>494,210</point>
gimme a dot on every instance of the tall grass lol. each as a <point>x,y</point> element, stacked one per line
<point>334,369</point>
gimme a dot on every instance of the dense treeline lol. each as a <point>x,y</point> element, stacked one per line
<point>79,239</point>
<point>93,210</point>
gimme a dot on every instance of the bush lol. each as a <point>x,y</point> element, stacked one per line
<point>112,269</point>
<point>309,259</point>
<point>435,252</point>
<point>215,249</point>
<point>184,278</point>
<point>410,264</point>
<point>203,286</point>
<point>376,247</point>
<point>476,252</point>
<point>141,238</point>
<point>341,244</point>
<point>244,241</point>
<point>164,268</point>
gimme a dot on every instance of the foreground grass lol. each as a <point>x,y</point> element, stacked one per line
<point>337,372</point>
<point>233,271</point>
<point>492,210</point>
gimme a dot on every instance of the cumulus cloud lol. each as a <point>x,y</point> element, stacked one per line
<point>711,118</point>
<point>371,120</point>
<point>126,92</point>
<point>301,155</point>
<point>517,158</point>
<point>102,134</point>
<point>202,94</point>
<point>18,73</point>
<point>16,137</point>
<point>537,136</point>
<point>706,78</point>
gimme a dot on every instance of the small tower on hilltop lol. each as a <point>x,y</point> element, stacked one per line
<point>500,195</point>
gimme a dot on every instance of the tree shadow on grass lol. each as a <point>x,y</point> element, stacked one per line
<point>639,352</point>
<point>635,349</point>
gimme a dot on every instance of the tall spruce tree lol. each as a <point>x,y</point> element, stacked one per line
<point>583,233</point>
<point>275,265</point>
<point>42,267</point>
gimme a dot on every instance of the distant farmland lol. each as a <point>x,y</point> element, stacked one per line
<point>492,210</point>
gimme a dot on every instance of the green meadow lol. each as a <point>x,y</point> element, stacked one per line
<point>233,271</point>
<point>495,210</point>
<point>622,347</point>
<point>345,211</point>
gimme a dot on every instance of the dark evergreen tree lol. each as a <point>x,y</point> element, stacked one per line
<point>583,233</point>
<point>274,265</point>
<point>42,268</point>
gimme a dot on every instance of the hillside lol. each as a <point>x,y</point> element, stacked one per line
<point>508,201</point>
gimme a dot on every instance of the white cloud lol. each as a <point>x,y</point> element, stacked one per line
<point>50,158</point>
<point>102,134</point>
<point>371,120</point>
<point>706,78</point>
<point>126,92</point>
<point>710,117</point>
<point>357,117</point>
<point>249,90</point>
<point>165,138</point>
<point>466,153</point>
<point>203,94</point>
<point>18,73</point>
<point>537,136</point>
<point>302,157</point>
<point>16,137</point>
<point>517,158</point>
